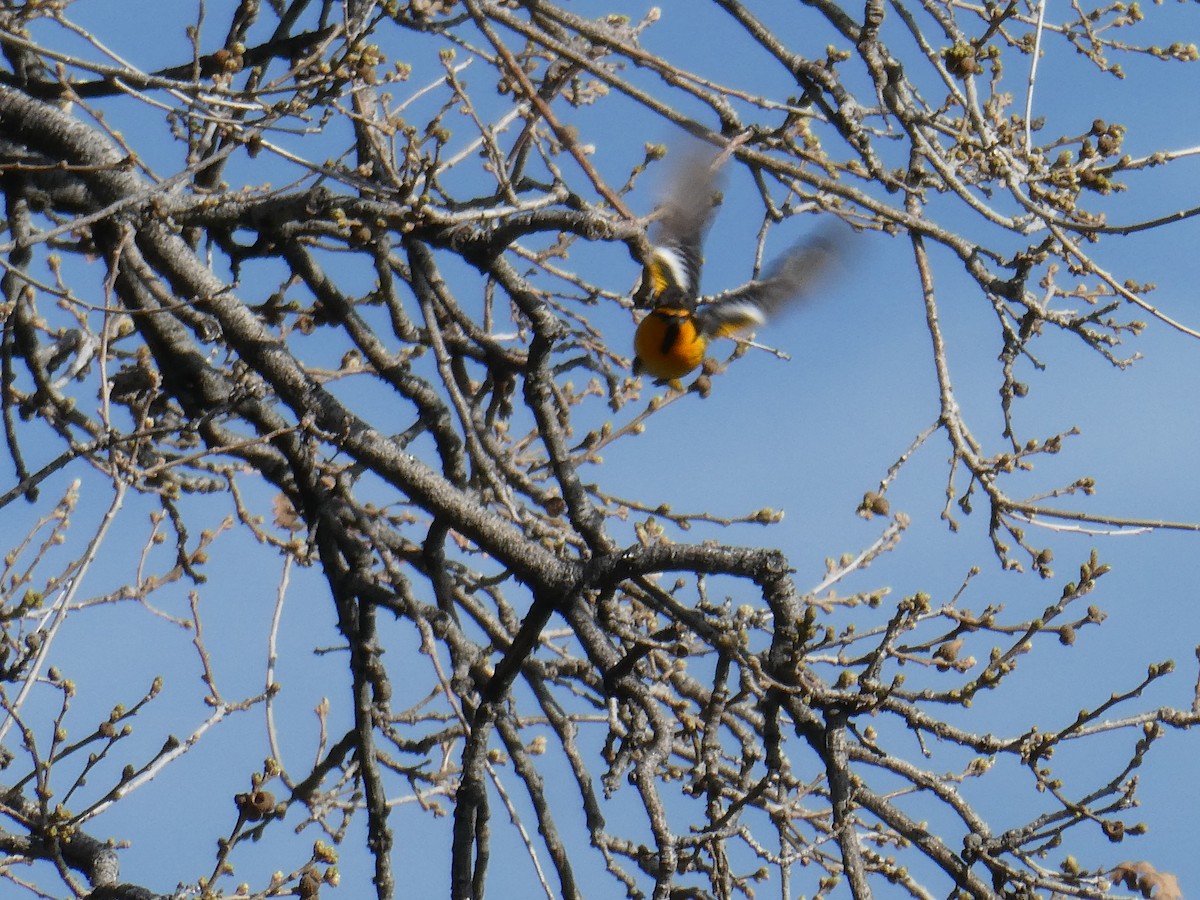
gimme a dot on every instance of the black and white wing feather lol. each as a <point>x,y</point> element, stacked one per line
<point>672,273</point>
<point>792,278</point>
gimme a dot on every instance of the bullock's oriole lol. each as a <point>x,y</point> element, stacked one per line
<point>672,339</point>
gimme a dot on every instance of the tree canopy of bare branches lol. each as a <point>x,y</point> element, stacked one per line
<point>340,292</point>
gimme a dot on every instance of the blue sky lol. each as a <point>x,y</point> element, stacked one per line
<point>807,436</point>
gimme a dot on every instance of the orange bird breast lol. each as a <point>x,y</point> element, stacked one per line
<point>669,343</point>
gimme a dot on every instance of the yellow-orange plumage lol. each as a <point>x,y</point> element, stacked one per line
<point>668,343</point>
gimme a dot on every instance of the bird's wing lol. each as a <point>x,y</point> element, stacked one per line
<point>793,277</point>
<point>677,237</point>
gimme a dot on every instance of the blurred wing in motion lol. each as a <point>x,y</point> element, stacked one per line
<point>792,278</point>
<point>672,273</point>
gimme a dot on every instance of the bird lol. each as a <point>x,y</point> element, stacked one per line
<point>672,338</point>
